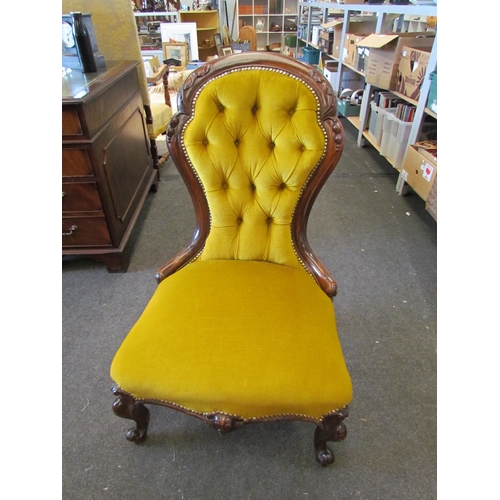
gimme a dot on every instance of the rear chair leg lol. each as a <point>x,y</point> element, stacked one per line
<point>331,429</point>
<point>127,407</point>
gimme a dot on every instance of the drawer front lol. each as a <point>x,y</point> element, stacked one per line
<point>80,197</point>
<point>85,232</point>
<point>71,123</point>
<point>76,162</point>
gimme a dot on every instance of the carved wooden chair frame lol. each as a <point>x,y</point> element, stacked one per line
<point>331,426</point>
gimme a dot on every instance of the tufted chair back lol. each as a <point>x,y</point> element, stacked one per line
<point>255,138</point>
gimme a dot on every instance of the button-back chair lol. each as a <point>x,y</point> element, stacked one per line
<point>241,328</point>
<point>118,39</point>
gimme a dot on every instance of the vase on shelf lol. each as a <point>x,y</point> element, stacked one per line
<point>259,25</point>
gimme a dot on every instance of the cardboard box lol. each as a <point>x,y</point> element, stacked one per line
<point>325,42</point>
<point>384,54</point>
<point>418,171</point>
<point>411,71</point>
<point>350,79</point>
<point>360,58</point>
<point>351,39</point>
<point>362,25</point>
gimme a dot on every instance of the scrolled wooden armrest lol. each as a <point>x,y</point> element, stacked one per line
<point>161,74</point>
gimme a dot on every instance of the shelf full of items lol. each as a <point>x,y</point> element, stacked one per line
<point>271,19</point>
<point>381,60</point>
<point>149,14</point>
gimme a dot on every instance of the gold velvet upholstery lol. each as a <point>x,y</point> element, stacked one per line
<point>242,327</point>
<point>117,38</point>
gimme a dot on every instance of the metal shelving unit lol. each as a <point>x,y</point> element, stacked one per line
<point>380,11</point>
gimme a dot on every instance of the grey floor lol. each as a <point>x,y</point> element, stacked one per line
<point>381,249</point>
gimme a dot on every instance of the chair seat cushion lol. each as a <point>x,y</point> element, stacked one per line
<point>161,115</point>
<point>245,338</point>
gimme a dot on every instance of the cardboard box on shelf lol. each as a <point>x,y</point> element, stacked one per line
<point>351,39</point>
<point>384,54</point>
<point>357,25</point>
<point>350,79</point>
<point>418,171</point>
<point>325,41</point>
<point>411,71</point>
<point>360,58</point>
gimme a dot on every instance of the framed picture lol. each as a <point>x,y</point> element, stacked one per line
<point>176,50</point>
<point>226,51</point>
<point>181,32</point>
<point>218,44</point>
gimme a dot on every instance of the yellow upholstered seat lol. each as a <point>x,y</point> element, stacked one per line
<point>242,327</point>
<point>255,358</point>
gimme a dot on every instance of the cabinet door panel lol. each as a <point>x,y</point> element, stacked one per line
<point>126,163</point>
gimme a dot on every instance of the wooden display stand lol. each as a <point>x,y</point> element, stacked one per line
<point>207,25</point>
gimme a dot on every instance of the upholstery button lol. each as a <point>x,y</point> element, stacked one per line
<point>221,107</point>
<point>271,145</point>
<point>205,142</point>
<point>239,220</point>
<point>236,142</point>
<point>269,220</point>
<point>252,186</point>
<point>302,148</point>
<point>224,185</point>
<point>282,186</point>
<point>291,112</point>
<point>254,109</point>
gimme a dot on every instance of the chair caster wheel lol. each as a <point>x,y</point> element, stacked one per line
<point>325,457</point>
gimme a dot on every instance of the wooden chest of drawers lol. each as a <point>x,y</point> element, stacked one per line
<point>107,169</point>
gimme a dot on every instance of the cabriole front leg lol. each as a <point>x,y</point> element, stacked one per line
<point>331,429</point>
<point>127,407</point>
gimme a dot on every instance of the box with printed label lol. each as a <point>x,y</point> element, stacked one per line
<point>411,71</point>
<point>419,171</point>
<point>383,53</point>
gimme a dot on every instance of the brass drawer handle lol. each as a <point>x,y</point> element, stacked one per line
<point>63,194</point>
<point>71,229</point>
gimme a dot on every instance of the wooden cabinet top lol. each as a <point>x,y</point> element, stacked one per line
<point>79,87</point>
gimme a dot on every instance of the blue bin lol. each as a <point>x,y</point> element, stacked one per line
<point>311,55</point>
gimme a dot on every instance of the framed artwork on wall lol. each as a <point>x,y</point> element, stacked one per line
<point>181,32</point>
<point>176,50</point>
<point>218,44</point>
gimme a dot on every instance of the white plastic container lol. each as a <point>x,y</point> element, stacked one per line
<point>386,134</point>
<point>377,117</point>
<point>398,141</point>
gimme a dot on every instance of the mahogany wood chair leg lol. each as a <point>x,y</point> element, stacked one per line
<point>154,153</point>
<point>333,429</point>
<point>127,407</point>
